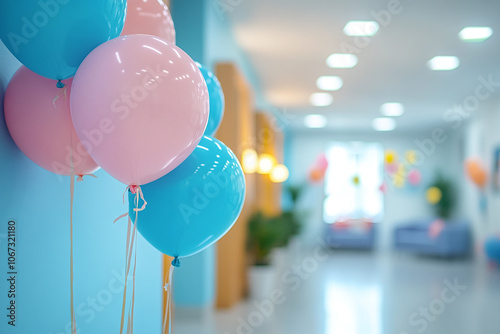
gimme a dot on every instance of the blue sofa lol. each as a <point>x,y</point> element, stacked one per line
<point>351,238</point>
<point>453,240</point>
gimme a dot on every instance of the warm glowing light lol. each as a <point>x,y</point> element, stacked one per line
<point>250,161</point>
<point>279,174</point>
<point>266,164</point>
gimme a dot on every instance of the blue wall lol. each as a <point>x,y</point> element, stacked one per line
<point>39,202</point>
<point>205,33</point>
<point>194,281</point>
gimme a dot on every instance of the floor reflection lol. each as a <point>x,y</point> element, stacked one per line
<point>352,309</point>
<point>368,293</point>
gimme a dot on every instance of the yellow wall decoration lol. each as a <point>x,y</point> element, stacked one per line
<point>434,195</point>
<point>390,156</point>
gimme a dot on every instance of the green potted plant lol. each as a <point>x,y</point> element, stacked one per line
<point>264,234</point>
<point>292,218</point>
<point>444,205</point>
<point>267,241</point>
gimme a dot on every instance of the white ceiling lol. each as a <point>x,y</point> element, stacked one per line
<point>288,41</point>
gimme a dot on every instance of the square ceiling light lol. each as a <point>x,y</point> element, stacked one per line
<point>321,99</point>
<point>361,28</point>
<point>475,34</point>
<point>315,121</point>
<point>331,83</point>
<point>443,63</point>
<point>342,60</point>
<point>393,109</point>
<point>384,124</point>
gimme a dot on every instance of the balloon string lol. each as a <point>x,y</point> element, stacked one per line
<point>71,267</point>
<point>131,248</point>
<point>120,217</point>
<point>137,191</point>
<point>59,95</point>
<point>80,177</point>
<point>144,203</point>
<point>125,193</point>
<point>72,195</point>
<point>132,306</point>
<point>132,189</point>
<point>131,314</point>
<point>129,226</point>
<point>167,317</point>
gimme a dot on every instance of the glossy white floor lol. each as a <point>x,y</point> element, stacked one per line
<point>363,293</point>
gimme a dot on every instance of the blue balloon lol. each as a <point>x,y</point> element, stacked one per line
<point>492,249</point>
<point>194,205</point>
<point>216,97</point>
<point>52,37</point>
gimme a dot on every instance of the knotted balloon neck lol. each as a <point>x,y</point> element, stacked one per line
<point>80,177</point>
<point>137,191</point>
<point>60,84</point>
<point>176,262</point>
<point>133,189</point>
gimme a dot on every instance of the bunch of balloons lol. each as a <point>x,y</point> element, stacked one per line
<point>103,84</point>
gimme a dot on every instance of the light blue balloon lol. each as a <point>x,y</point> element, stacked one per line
<point>52,37</point>
<point>194,205</point>
<point>216,97</point>
<point>492,249</point>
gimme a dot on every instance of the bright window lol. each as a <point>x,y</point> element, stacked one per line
<point>353,180</point>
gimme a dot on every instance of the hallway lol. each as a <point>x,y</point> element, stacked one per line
<point>362,293</point>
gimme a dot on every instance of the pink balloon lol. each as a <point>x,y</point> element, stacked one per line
<point>142,104</point>
<point>150,17</point>
<point>391,168</point>
<point>38,118</point>
<point>414,177</point>
<point>383,188</point>
<point>322,162</point>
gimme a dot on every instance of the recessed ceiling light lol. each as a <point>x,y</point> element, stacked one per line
<point>315,121</point>
<point>475,34</point>
<point>321,99</point>
<point>384,124</point>
<point>361,28</point>
<point>342,60</point>
<point>443,63</point>
<point>392,109</point>
<point>329,83</point>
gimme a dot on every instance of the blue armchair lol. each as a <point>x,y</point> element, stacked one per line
<point>453,239</point>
